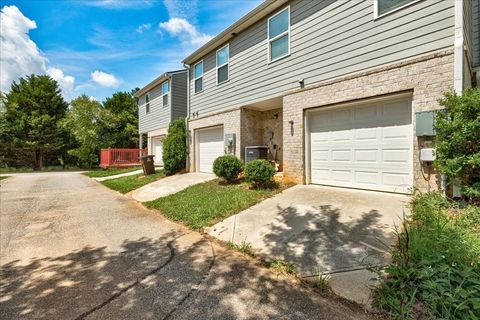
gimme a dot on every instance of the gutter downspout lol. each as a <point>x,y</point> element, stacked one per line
<point>187,118</point>
<point>457,72</point>
<point>458,47</point>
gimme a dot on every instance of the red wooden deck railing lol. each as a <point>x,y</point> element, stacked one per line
<point>115,157</point>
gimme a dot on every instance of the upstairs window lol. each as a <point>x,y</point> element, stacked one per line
<point>198,76</point>
<point>382,7</point>
<point>223,58</point>
<point>165,92</point>
<point>147,102</point>
<point>279,35</point>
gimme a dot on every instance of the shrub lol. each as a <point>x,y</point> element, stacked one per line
<point>259,172</point>
<point>227,167</point>
<point>435,268</point>
<point>175,147</point>
<point>458,141</point>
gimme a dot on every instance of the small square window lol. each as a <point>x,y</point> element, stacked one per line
<point>385,6</point>
<point>279,35</point>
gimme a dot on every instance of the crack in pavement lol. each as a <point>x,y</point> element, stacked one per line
<point>196,286</point>
<point>132,285</point>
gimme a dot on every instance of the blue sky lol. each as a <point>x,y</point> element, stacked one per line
<point>98,47</point>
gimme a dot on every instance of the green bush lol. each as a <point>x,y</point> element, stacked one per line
<point>259,172</point>
<point>435,268</point>
<point>227,167</point>
<point>175,147</point>
<point>458,141</point>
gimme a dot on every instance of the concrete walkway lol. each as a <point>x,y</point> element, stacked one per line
<point>169,185</point>
<point>321,230</point>
<point>126,174</point>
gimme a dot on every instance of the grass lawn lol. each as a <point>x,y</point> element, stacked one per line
<point>207,203</point>
<point>3,177</point>
<point>29,169</point>
<point>129,183</point>
<point>110,172</point>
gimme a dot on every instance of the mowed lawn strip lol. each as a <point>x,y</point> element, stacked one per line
<point>206,203</point>
<point>129,183</point>
<point>110,172</point>
<point>3,177</point>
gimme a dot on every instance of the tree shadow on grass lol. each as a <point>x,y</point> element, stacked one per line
<point>155,279</point>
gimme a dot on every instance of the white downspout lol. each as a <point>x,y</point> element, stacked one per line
<point>459,47</point>
<point>187,118</point>
<point>458,71</point>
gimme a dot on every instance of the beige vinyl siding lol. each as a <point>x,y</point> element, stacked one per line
<point>476,32</point>
<point>159,115</point>
<point>179,95</point>
<point>328,39</point>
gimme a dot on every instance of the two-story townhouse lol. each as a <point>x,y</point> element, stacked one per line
<point>159,103</point>
<point>333,88</point>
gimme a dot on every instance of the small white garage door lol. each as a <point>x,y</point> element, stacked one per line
<point>367,146</point>
<point>157,149</point>
<point>210,146</point>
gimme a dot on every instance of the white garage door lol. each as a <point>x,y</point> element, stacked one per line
<point>157,148</point>
<point>210,146</point>
<point>364,146</point>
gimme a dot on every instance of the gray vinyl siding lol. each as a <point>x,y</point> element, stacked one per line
<point>328,39</point>
<point>476,32</point>
<point>159,115</point>
<point>179,95</point>
<point>467,28</point>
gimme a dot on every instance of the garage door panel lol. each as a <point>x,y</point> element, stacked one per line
<point>369,147</point>
<point>210,147</point>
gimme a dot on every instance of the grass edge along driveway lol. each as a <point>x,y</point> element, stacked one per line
<point>129,183</point>
<point>110,172</point>
<point>207,203</point>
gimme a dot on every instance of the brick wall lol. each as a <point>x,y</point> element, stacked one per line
<point>231,124</point>
<point>428,77</point>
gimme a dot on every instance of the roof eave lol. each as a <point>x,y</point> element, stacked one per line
<point>258,13</point>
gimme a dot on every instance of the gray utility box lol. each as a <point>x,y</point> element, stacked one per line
<point>255,152</point>
<point>425,123</point>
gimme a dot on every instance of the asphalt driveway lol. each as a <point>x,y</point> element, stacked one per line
<point>73,249</point>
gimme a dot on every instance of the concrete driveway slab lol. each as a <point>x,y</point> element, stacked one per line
<point>319,229</point>
<point>73,249</point>
<point>170,185</point>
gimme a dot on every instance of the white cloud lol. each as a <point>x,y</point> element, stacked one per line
<point>185,31</point>
<point>143,27</point>
<point>104,79</point>
<point>186,9</point>
<point>92,98</point>
<point>20,56</point>
<point>66,83</point>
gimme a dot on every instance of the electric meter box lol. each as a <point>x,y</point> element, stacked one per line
<point>428,154</point>
<point>425,123</point>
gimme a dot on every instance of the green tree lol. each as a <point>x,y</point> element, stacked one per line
<point>175,147</point>
<point>119,128</point>
<point>83,120</point>
<point>458,140</point>
<point>30,126</point>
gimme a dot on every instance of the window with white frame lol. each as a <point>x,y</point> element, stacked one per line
<point>384,6</point>
<point>165,93</point>
<point>198,76</point>
<point>147,102</point>
<point>223,58</point>
<point>279,35</point>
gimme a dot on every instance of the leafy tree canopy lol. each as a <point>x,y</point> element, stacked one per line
<point>30,125</point>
